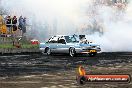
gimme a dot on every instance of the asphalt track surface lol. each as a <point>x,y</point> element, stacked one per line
<point>59,71</point>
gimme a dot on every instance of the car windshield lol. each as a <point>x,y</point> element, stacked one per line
<point>72,39</point>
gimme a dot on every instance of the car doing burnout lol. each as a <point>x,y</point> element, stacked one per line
<point>71,45</point>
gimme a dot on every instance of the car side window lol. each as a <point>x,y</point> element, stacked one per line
<point>53,40</point>
<point>62,41</point>
<point>49,40</point>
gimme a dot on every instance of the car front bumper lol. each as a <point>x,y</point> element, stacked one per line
<point>86,51</point>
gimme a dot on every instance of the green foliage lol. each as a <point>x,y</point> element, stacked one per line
<point>6,46</point>
<point>27,46</point>
<point>7,43</point>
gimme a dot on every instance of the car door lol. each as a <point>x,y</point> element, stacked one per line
<point>53,44</point>
<point>62,46</point>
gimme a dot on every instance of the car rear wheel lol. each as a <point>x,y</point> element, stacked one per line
<point>92,54</point>
<point>72,52</point>
<point>48,51</point>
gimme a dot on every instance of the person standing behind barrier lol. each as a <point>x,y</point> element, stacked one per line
<point>20,26</point>
<point>8,24</point>
<point>24,25</point>
<point>14,22</point>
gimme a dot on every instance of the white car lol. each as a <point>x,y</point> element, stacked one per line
<point>69,44</point>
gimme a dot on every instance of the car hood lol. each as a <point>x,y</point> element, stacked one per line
<point>82,44</point>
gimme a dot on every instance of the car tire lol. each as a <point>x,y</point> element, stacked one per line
<point>48,51</point>
<point>92,54</point>
<point>72,52</point>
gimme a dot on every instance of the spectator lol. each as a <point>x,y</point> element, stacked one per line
<point>24,25</point>
<point>20,22</point>
<point>20,26</point>
<point>14,22</point>
<point>8,23</point>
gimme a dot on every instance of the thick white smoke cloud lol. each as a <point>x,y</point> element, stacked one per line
<point>117,28</point>
<point>51,17</point>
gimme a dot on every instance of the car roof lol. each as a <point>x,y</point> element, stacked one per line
<point>64,35</point>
